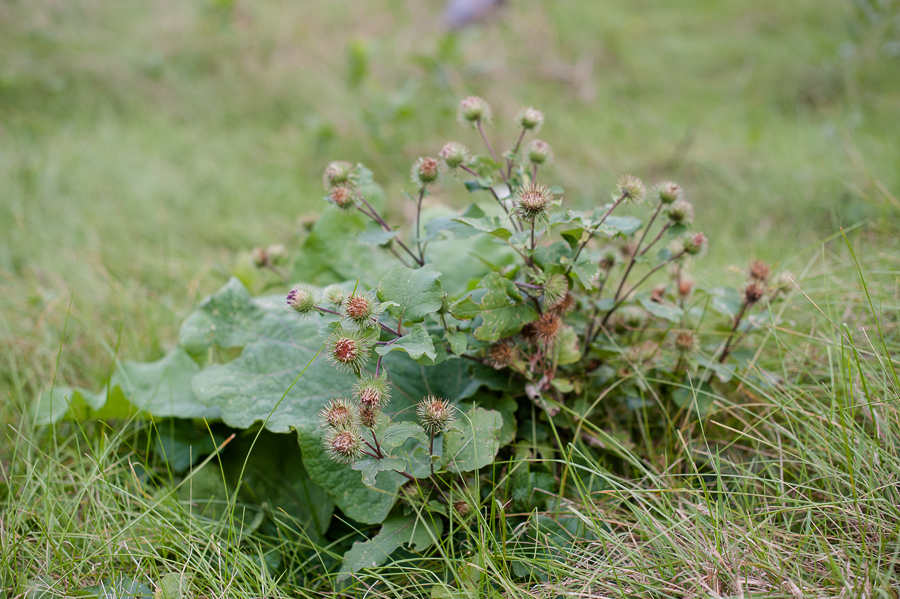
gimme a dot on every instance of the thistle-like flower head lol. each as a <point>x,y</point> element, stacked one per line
<point>473,110</point>
<point>694,244</point>
<point>348,350</point>
<point>531,119</point>
<point>427,170</point>
<point>539,152</point>
<point>302,299</point>
<point>372,392</point>
<point>532,201</point>
<point>259,257</point>
<point>363,309</point>
<point>546,329</point>
<point>337,173</point>
<point>685,342</point>
<point>343,196</point>
<point>368,418</point>
<point>685,286</point>
<point>343,445</point>
<point>455,154</point>
<point>759,271</point>
<point>435,414</point>
<point>754,292</point>
<point>338,413</point>
<point>502,354</point>
<point>335,296</point>
<point>609,258</point>
<point>681,212</point>
<point>631,188</point>
<point>668,192</point>
<point>556,288</point>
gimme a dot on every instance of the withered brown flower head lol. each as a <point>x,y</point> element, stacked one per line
<point>546,329</point>
<point>502,355</point>
<point>759,271</point>
<point>754,292</point>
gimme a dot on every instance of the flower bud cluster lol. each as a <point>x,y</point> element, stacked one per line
<point>342,184</point>
<point>435,414</point>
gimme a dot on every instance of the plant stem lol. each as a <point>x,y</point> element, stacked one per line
<point>595,227</point>
<point>636,253</point>
<point>431,452</point>
<point>514,152</point>
<point>377,218</point>
<point>737,322</point>
<point>418,226</point>
<point>635,286</point>
<point>657,238</point>
<point>487,142</point>
<point>383,326</point>
<point>532,235</point>
<point>493,193</point>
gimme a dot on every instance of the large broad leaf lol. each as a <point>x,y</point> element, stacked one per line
<point>487,224</point>
<point>416,342</point>
<point>418,533</point>
<point>345,486</point>
<point>449,227</point>
<point>327,257</point>
<point>503,309</point>
<point>417,293</point>
<point>55,403</point>
<point>475,442</point>
<point>667,311</point>
<point>163,388</point>
<point>454,379</point>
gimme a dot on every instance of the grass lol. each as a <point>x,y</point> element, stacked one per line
<point>145,149</point>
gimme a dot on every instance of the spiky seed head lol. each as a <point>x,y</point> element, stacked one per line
<point>754,292</point>
<point>334,295</point>
<point>684,342</point>
<point>546,329</point>
<point>529,332</point>
<point>372,392</point>
<point>445,305</point>
<point>555,290</point>
<point>426,170</point>
<point>539,152</point>
<point>565,304</point>
<point>343,445</point>
<point>435,414</point>
<point>642,352</point>
<point>338,413</point>
<point>668,192</point>
<point>681,212</point>
<point>532,201</point>
<point>502,355</point>
<point>410,493</point>
<point>759,271</point>
<point>609,258</point>
<point>368,418</point>
<point>473,110</point>
<point>363,309</point>
<point>259,257</point>
<point>531,119</point>
<point>302,299</point>
<point>343,196</point>
<point>685,286</point>
<point>658,293</point>
<point>462,507</point>
<point>348,350</point>
<point>631,188</point>
<point>694,244</point>
<point>337,173</point>
<point>455,154</point>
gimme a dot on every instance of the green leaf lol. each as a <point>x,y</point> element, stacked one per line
<point>416,342</point>
<point>345,486</point>
<point>725,301</point>
<point>172,586</point>
<point>370,467</point>
<point>396,531</point>
<point>502,309</point>
<point>626,225</point>
<point>667,312</point>
<point>488,224</point>
<point>53,404</point>
<point>566,349</point>
<point>396,434</point>
<point>376,235</point>
<point>450,227</point>
<point>416,292</point>
<point>698,401</point>
<point>327,257</point>
<point>476,441</point>
<point>181,444</point>
<point>458,341</point>
<point>454,379</point>
<point>163,388</point>
<point>585,271</point>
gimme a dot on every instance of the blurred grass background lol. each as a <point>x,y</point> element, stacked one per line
<point>144,147</point>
